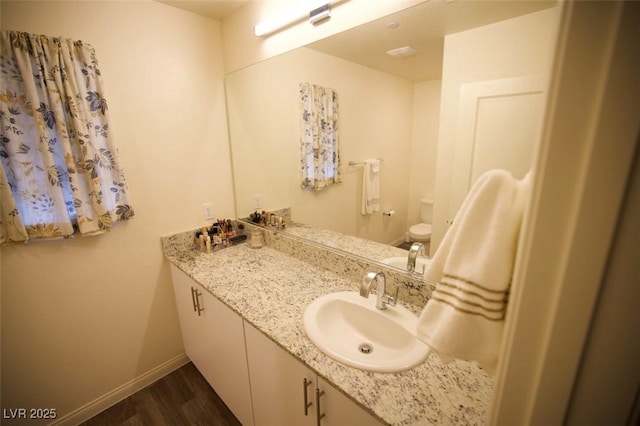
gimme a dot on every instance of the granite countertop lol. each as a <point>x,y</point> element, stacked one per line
<point>360,246</point>
<point>271,290</point>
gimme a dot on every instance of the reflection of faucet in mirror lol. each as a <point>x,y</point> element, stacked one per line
<point>423,117</point>
<point>382,299</point>
<point>415,250</point>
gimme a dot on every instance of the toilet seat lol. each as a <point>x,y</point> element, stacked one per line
<point>420,232</point>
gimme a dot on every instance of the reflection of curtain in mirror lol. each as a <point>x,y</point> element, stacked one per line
<point>59,170</point>
<point>320,158</point>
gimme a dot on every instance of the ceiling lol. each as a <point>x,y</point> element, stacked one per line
<point>422,27</point>
<point>216,9</point>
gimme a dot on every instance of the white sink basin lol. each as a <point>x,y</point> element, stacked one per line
<point>401,262</point>
<point>350,329</point>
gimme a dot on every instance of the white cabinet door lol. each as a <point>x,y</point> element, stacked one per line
<point>278,390</point>
<point>278,383</point>
<point>190,323</point>
<point>339,410</point>
<point>214,341</point>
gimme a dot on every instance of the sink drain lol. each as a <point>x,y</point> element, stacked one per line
<point>365,348</point>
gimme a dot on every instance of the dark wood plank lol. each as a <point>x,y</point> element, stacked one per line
<point>181,398</point>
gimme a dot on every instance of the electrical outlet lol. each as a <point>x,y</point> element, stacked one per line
<point>257,201</point>
<point>207,211</point>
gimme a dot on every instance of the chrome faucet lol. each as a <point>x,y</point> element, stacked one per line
<point>383,299</point>
<point>414,251</point>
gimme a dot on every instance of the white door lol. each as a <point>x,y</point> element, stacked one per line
<point>498,126</point>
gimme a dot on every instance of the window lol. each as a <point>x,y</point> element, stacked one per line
<point>60,172</point>
<point>320,156</point>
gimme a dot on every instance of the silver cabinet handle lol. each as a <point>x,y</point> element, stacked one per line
<point>305,384</point>
<point>199,308</point>
<point>193,299</point>
<point>319,415</point>
<point>196,302</point>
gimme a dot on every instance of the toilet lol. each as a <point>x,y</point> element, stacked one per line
<point>421,232</point>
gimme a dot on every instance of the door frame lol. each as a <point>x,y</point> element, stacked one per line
<point>580,176</point>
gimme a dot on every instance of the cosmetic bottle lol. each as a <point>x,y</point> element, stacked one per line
<point>257,239</point>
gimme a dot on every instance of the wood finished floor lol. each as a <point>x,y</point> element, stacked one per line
<point>181,398</point>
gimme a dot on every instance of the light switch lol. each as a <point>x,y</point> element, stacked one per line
<point>207,211</point>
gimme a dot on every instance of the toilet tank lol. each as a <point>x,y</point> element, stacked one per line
<point>426,210</point>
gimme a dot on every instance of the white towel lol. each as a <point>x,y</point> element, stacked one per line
<point>371,186</point>
<point>472,269</point>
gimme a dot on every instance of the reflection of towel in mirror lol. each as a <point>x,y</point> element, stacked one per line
<point>472,269</point>
<point>371,186</point>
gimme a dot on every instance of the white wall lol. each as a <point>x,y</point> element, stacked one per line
<point>82,317</point>
<point>516,47</point>
<point>375,121</point>
<point>424,145</point>
<point>0,274</point>
<point>1,27</point>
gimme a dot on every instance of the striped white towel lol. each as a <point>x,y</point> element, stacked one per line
<point>472,269</point>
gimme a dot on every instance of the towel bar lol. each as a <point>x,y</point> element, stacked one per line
<point>358,163</point>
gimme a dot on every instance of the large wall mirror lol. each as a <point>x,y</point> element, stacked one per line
<point>470,98</point>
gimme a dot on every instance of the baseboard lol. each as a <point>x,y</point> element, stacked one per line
<point>397,241</point>
<point>100,404</point>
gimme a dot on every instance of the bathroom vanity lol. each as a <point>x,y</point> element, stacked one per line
<point>241,313</point>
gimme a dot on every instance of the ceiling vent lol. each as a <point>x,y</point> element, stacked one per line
<point>402,52</point>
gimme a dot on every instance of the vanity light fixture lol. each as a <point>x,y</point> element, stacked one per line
<point>319,14</point>
<point>316,11</point>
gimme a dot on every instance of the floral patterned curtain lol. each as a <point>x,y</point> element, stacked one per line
<point>60,173</point>
<point>320,155</point>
